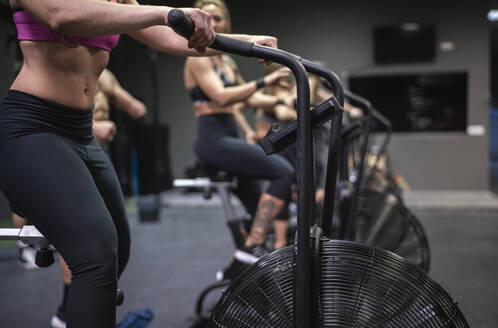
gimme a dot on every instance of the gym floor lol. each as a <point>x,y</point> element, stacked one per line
<point>173,259</point>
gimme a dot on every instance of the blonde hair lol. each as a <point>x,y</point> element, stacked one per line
<point>222,6</point>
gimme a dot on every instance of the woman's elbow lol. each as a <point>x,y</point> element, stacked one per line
<point>286,116</point>
<point>251,103</point>
<point>222,101</point>
<point>59,21</point>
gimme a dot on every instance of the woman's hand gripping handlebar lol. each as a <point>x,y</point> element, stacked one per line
<point>237,44</point>
<point>199,32</point>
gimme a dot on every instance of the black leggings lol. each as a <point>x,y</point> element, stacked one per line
<point>218,146</point>
<point>55,174</point>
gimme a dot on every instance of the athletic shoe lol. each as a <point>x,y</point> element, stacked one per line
<point>251,254</point>
<point>231,271</point>
<point>27,256</point>
<point>58,320</point>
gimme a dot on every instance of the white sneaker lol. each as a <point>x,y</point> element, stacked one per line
<point>57,322</point>
<point>27,256</point>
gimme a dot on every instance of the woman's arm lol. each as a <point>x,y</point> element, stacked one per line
<point>250,134</point>
<point>265,101</point>
<point>95,18</point>
<point>282,112</point>
<point>119,97</point>
<point>204,74</point>
<point>164,39</point>
<point>262,100</point>
<point>285,113</point>
<point>280,106</point>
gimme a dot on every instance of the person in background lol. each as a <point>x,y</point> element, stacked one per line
<point>218,93</point>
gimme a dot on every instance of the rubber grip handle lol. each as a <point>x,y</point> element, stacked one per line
<point>181,23</point>
<point>231,45</point>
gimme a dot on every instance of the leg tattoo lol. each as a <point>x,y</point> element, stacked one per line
<point>262,221</point>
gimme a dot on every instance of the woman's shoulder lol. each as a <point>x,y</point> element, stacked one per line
<point>230,62</point>
<point>198,65</point>
<point>197,61</point>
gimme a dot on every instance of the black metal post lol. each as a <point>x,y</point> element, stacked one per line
<point>302,304</point>
<point>349,231</point>
<point>334,143</point>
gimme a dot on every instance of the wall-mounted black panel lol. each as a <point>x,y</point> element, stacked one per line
<point>404,43</point>
<point>419,101</point>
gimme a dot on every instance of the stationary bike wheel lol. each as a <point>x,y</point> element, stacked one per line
<point>360,286</point>
<point>382,220</point>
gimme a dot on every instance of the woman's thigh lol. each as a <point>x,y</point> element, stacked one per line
<point>240,158</point>
<point>46,178</point>
<point>108,185</point>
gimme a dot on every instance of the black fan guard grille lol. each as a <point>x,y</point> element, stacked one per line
<point>382,220</point>
<point>360,286</point>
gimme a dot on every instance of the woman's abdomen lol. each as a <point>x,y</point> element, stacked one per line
<point>56,72</point>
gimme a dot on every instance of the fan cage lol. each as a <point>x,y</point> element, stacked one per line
<point>360,286</point>
<point>382,220</point>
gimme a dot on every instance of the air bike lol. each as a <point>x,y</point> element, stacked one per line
<point>371,209</point>
<point>319,282</point>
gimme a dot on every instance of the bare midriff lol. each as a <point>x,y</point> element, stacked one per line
<point>65,74</point>
<point>208,108</point>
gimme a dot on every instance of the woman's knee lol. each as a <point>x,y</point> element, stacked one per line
<point>97,263</point>
<point>287,173</point>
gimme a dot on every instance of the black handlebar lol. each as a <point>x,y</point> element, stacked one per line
<point>180,23</point>
<point>184,26</point>
<point>277,141</point>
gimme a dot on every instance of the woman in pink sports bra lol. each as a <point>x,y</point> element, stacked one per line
<point>52,170</point>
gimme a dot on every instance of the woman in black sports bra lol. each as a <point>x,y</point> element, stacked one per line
<point>218,93</point>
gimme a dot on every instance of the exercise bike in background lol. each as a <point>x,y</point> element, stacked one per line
<point>371,206</point>
<point>319,282</point>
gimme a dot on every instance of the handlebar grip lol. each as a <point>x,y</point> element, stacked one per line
<point>275,142</point>
<point>231,45</point>
<point>181,23</point>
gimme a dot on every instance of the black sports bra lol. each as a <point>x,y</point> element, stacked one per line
<point>198,96</point>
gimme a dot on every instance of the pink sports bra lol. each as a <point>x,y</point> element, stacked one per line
<point>28,28</point>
